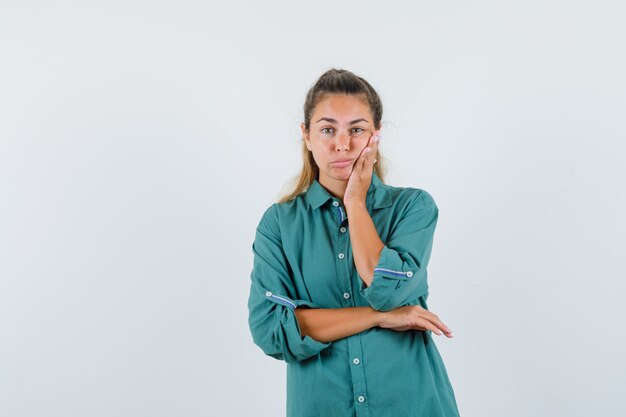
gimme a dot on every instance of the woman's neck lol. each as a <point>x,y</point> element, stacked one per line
<point>336,188</point>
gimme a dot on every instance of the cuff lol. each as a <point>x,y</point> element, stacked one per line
<point>390,265</point>
<point>295,347</point>
<point>394,281</point>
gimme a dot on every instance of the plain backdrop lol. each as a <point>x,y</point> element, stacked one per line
<point>142,141</point>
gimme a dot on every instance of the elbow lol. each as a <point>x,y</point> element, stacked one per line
<point>380,301</point>
<point>281,351</point>
<point>394,297</point>
<point>283,341</point>
<point>382,304</point>
<point>266,341</point>
<point>272,346</point>
<point>380,297</point>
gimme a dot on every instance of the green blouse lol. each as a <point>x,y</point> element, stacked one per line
<point>303,258</point>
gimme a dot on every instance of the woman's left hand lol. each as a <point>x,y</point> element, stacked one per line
<point>361,176</point>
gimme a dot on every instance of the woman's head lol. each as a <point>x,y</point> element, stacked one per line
<point>339,81</point>
<point>337,99</point>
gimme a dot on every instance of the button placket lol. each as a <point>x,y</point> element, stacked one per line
<point>338,212</point>
<point>343,240</point>
<point>357,373</point>
<point>354,343</point>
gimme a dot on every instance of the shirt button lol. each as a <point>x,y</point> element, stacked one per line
<point>342,229</point>
<point>356,361</point>
<point>268,293</point>
<point>341,255</point>
<point>361,398</point>
<point>409,274</point>
<point>346,295</point>
<point>335,203</point>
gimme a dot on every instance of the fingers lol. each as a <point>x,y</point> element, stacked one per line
<point>367,158</point>
<point>433,322</point>
<point>433,318</point>
<point>419,323</point>
<point>370,150</point>
<point>430,326</point>
<point>375,147</point>
<point>373,144</point>
<point>440,327</point>
<point>417,318</point>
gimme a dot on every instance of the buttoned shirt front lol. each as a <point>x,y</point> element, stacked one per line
<point>303,259</point>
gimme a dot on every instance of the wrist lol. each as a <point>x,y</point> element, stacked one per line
<point>376,317</point>
<point>354,204</point>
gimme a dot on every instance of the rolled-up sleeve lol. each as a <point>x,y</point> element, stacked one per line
<point>400,275</point>
<point>271,303</point>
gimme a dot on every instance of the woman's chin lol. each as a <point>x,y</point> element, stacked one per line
<point>343,173</point>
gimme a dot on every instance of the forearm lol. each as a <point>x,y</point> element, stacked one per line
<point>366,244</point>
<point>329,324</point>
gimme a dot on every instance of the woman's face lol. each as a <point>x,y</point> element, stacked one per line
<point>341,126</point>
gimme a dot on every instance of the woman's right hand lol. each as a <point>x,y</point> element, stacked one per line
<point>413,317</point>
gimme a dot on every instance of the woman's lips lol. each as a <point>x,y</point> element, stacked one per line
<point>342,164</point>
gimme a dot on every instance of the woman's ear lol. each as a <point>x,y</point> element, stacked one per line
<point>305,136</point>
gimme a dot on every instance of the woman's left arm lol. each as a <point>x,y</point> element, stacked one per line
<point>400,272</point>
<point>394,272</point>
<point>366,244</point>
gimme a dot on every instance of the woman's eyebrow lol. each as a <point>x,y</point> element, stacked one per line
<point>328,119</point>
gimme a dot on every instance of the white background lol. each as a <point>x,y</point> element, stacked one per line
<point>141,142</point>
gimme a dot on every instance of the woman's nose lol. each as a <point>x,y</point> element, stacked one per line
<point>343,143</point>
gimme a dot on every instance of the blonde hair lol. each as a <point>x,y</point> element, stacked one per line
<point>334,81</point>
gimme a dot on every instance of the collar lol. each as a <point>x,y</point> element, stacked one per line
<point>378,194</point>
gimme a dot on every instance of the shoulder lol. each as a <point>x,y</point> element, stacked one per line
<point>411,198</point>
<point>413,209</point>
<point>279,214</point>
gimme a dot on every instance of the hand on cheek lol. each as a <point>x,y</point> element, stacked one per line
<point>361,176</point>
<point>368,155</point>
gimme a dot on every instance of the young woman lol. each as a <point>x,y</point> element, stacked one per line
<point>339,282</point>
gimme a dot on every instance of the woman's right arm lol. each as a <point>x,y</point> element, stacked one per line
<point>329,324</point>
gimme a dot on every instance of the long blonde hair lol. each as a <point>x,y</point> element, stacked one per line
<point>334,81</point>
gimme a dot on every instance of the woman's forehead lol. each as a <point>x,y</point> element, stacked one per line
<point>342,108</point>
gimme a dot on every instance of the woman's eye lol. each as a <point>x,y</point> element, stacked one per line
<point>327,130</point>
